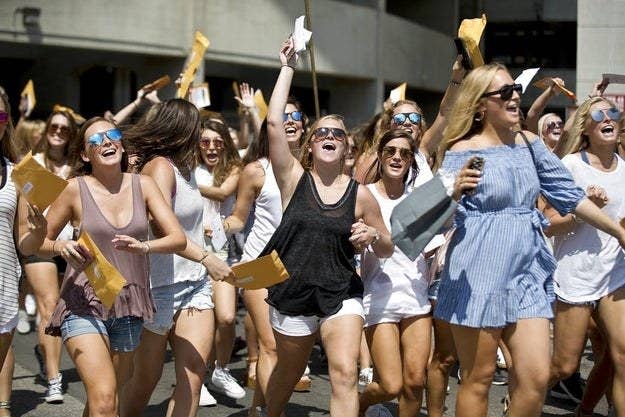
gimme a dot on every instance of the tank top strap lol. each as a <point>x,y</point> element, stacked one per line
<point>138,202</point>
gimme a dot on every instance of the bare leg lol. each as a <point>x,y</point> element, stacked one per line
<point>224,297</point>
<point>6,381</point>
<point>602,372</point>
<point>415,348</point>
<point>443,359</point>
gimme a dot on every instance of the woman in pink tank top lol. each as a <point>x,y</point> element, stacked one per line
<point>113,207</point>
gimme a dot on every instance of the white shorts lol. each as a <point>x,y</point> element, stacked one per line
<point>10,325</point>
<point>307,325</point>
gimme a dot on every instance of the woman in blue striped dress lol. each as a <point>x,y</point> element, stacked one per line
<point>496,283</point>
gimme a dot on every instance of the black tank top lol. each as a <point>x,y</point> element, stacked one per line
<point>313,243</point>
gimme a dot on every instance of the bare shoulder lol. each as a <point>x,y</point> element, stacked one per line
<point>531,137</point>
<point>465,144</point>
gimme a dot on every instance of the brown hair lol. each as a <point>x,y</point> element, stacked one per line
<point>229,159</point>
<point>80,167</point>
<point>44,146</point>
<point>374,173</point>
<point>6,144</point>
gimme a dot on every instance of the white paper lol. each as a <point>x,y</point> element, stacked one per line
<point>219,239</point>
<point>301,35</point>
<point>525,78</point>
<point>199,96</point>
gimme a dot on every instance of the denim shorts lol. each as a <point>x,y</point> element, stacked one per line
<point>169,299</point>
<point>123,333</point>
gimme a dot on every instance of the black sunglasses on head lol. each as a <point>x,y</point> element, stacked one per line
<point>506,91</point>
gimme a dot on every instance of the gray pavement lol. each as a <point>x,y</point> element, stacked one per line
<point>28,394</point>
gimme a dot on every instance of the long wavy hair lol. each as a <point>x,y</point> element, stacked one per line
<point>80,167</point>
<point>576,139</point>
<point>24,133</point>
<point>259,148</point>
<point>229,158</point>
<point>43,146</point>
<point>374,173</point>
<point>170,129</point>
<point>305,157</point>
<point>464,120</point>
<point>6,142</point>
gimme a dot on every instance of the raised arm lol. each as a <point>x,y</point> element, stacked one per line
<point>538,106</point>
<point>285,167</point>
<point>433,136</point>
<point>248,114</point>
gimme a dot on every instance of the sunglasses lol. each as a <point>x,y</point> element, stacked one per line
<point>599,115</point>
<point>506,91</point>
<point>97,139</point>
<point>555,125</point>
<point>391,151</point>
<point>4,117</point>
<point>400,118</point>
<point>217,143</point>
<point>62,129</point>
<point>321,133</point>
<point>296,116</point>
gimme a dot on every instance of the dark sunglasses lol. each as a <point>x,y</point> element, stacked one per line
<point>599,115</point>
<point>62,129</point>
<point>217,143</point>
<point>391,151</point>
<point>321,133</point>
<point>506,91</point>
<point>400,118</point>
<point>555,125</point>
<point>4,117</point>
<point>296,116</point>
<point>98,138</point>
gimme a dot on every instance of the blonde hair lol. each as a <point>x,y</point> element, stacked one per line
<point>305,156</point>
<point>463,120</point>
<point>576,139</point>
<point>541,124</point>
<point>24,132</point>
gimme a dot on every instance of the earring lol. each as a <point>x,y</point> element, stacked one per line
<point>479,116</point>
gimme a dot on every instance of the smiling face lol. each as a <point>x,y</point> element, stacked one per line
<point>293,128</point>
<point>58,131</point>
<point>328,141</point>
<point>604,132</point>
<point>552,130</point>
<point>108,152</point>
<point>396,156</point>
<point>501,113</point>
<point>413,128</point>
<point>211,148</point>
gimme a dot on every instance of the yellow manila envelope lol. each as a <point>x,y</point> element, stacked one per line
<point>39,186</point>
<point>544,83</point>
<point>195,59</point>
<point>157,84</point>
<point>470,31</point>
<point>398,93</point>
<point>77,117</point>
<point>28,94</point>
<point>105,279</point>
<point>262,272</point>
<point>261,104</point>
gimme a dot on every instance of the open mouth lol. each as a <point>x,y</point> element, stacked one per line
<point>290,130</point>
<point>329,146</point>
<point>396,165</point>
<point>608,130</point>
<point>513,108</point>
<point>109,152</point>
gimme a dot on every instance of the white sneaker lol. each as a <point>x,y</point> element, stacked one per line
<point>378,410</point>
<point>365,377</point>
<point>206,399</point>
<point>222,381</point>
<point>23,325</point>
<point>30,305</point>
<point>54,393</point>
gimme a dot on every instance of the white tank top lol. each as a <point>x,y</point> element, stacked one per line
<point>188,205</point>
<point>267,214</point>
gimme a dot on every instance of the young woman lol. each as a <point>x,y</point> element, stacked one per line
<point>397,320</point>
<point>550,128</point>
<point>167,139</point>
<point>217,175</point>
<point>112,207</point>
<point>493,287</point>
<point>28,134</point>
<point>326,217</point>
<point>590,278</point>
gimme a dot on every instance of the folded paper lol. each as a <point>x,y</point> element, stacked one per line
<point>157,84</point>
<point>262,272</point>
<point>28,95</point>
<point>200,44</point>
<point>525,78</point>
<point>301,36</point>
<point>200,96</point>
<point>261,104</point>
<point>104,278</point>
<point>398,93</point>
<point>546,82</point>
<point>470,34</point>
<point>77,117</point>
<point>39,186</point>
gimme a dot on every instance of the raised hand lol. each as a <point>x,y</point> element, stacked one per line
<point>288,56</point>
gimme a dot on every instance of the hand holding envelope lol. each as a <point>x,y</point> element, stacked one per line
<point>28,98</point>
<point>468,41</point>
<point>263,272</point>
<point>39,186</point>
<point>547,82</point>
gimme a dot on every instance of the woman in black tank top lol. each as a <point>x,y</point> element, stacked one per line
<point>327,218</point>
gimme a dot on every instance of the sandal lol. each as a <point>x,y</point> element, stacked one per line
<point>251,372</point>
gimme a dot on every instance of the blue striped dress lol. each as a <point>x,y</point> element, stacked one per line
<point>498,268</point>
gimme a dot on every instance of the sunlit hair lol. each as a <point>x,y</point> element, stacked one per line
<point>229,158</point>
<point>541,124</point>
<point>6,144</point>
<point>463,119</point>
<point>170,129</point>
<point>576,139</point>
<point>25,131</point>
<point>386,122</point>
<point>80,167</point>
<point>305,157</point>
<point>375,172</point>
<point>367,135</point>
<point>621,130</point>
<point>43,146</point>
<point>259,148</point>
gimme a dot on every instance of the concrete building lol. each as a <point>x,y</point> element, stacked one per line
<point>93,55</point>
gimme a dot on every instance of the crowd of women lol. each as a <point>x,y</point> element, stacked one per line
<point>534,242</point>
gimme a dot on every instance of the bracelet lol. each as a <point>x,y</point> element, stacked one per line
<point>454,82</point>
<point>287,65</point>
<point>205,255</point>
<point>148,246</point>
